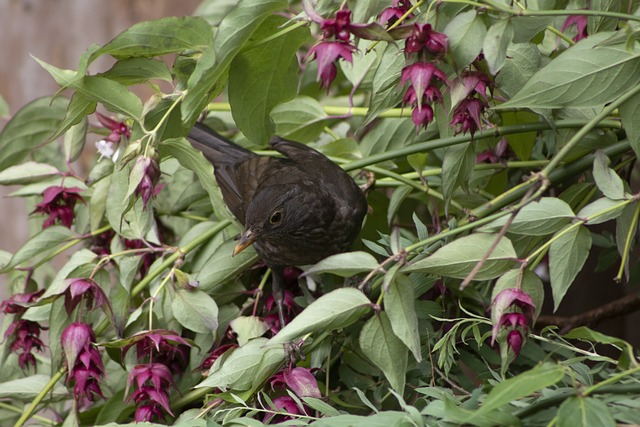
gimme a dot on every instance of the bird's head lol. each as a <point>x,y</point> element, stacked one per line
<point>283,213</point>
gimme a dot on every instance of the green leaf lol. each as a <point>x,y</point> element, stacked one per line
<point>248,328</point>
<point>466,33</point>
<point>46,241</point>
<point>31,126</point>
<point>545,216</point>
<point>523,61</point>
<point>623,231</point>
<point>602,210</point>
<point>345,264</point>
<point>251,98</point>
<point>193,159</point>
<point>629,113</point>
<point>335,310</point>
<point>520,386</point>
<point>567,255</point>
<point>246,367</point>
<point>399,306</point>
<point>301,119</point>
<point>233,33</point>
<point>112,94</point>
<point>525,280</point>
<point>457,166</point>
<point>79,108</point>
<point>159,37</point>
<point>223,266</point>
<point>27,388</point>
<point>459,257</point>
<point>585,334</point>
<point>74,139</point>
<point>587,75</point>
<point>496,42</point>
<point>385,350</point>
<point>577,411</point>
<point>606,178</point>
<point>388,134</point>
<point>195,310</point>
<point>137,70</point>
<point>27,172</point>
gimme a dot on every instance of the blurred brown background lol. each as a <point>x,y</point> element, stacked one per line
<point>58,32</point>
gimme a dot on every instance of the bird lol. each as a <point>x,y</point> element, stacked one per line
<point>296,210</point>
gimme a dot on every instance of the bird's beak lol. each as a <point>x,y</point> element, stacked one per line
<point>247,238</point>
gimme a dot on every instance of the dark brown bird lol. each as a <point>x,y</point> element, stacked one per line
<point>296,210</point>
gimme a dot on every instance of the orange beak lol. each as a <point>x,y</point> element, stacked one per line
<point>245,241</point>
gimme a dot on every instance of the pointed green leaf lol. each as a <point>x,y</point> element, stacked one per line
<point>250,98</point>
<point>629,113</point>
<point>27,172</point>
<point>195,310</point>
<point>606,178</point>
<point>567,255</point>
<point>545,216</point>
<point>385,350</point>
<point>159,37</point>
<point>31,126</point>
<point>399,306</point>
<point>579,411</point>
<point>44,242</point>
<point>520,386</point>
<point>496,42</point>
<point>248,328</point>
<point>459,257</point>
<point>466,33</point>
<point>233,32</point>
<point>602,210</point>
<point>345,264</point>
<point>335,310</point>
<point>587,75</point>
<point>457,165</point>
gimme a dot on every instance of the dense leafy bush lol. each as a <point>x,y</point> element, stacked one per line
<point>498,133</point>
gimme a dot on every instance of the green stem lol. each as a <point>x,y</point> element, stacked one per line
<point>69,245</point>
<point>627,243</point>
<point>177,254</point>
<point>610,380</point>
<point>36,401</point>
<point>460,139</point>
<point>566,149</point>
<point>12,408</point>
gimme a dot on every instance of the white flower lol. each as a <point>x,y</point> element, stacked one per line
<point>105,148</point>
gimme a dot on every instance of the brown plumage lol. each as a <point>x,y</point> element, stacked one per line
<point>296,210</point>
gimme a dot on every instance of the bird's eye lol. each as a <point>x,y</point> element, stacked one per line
<point>276,217</point>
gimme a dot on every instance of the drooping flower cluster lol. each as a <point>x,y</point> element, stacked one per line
<point>472,88</point>
<point>392,14</point>
<point>299,380</point>
<point>149,170</point>
<point>334,45</point>
<point>83,289</point>
<point>512,314</point>
<point>164,353</point>
<point>83,361</point>
<point>423,75</point>
<point>58,202</point>
<point>23,335</point>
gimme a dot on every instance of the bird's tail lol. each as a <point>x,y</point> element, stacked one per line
<point>215,147</point>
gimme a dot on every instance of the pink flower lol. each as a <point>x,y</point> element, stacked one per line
<point>58,202</point>
<point>118,129</point>
<point>215,354</point>
<point>300,380</point>
<point>424,39</point>
<point>514,341</point>
<point>580,21</point>
<point>397,10</point>
<point>18,303</point>
<point>161,346</point>
<point>421,75</point>
<point>285,404</point>
<point>148,168</point>
<point>338,27</point>
<point>466,116</point>
<point>80,289</point>
<point>327,53</point>
<point>26,338</point>
<point>152,382</point>
<point>83,361</point>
